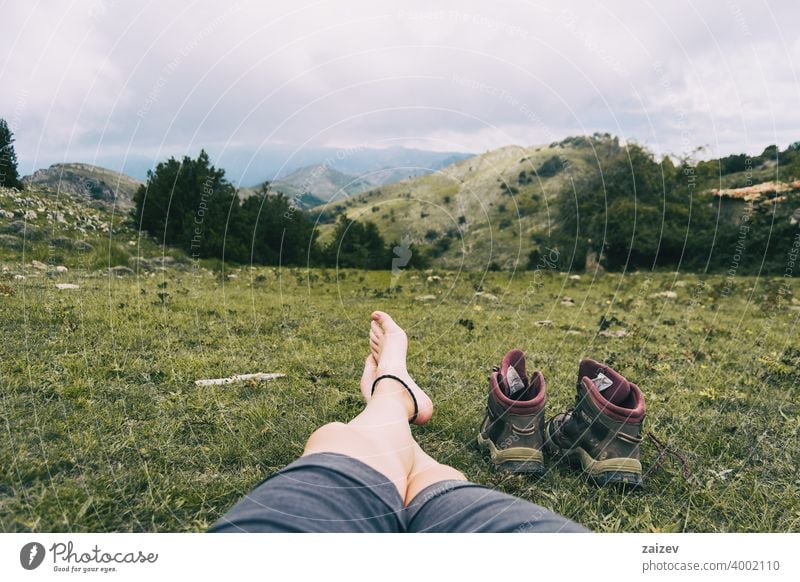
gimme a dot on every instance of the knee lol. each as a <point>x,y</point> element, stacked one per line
<point>327,437</point>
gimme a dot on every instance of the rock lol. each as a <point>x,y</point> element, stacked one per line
<point>434,279</point>
<point>232,276</point>
<point>489,296</point>
<point>425,298</point>
<point>567,302</point>
<point>138,263</point>
<point>664,295</point>
<point>164,260</point>
<point>615,333</point>
<point>19,277</point>
<point>20,227</point>
<point>30,215</point>
<point>543,323</point>
<point>61,269</point>
<point>9,241</point>
<point>61,242</point>
<point>38,265</point>
<point>120,271</point>
<point>64,286</point>
<point>58,216</point>
<point>82,245</point>
<point>681,284</point>
<point>6,214</point>
<point>574,277</point>
<point>574,332</point>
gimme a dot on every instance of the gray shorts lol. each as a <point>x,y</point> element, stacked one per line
<point>329,492</point>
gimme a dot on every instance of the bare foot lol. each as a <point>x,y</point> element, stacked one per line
<point>368,377</point>
<point>389,345</point>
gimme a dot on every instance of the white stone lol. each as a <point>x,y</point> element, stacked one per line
<point>64,286</point>
<point>664,295</point>
<point>615,333</point>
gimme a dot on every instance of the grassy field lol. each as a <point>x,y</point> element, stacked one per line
<point>103,428</point>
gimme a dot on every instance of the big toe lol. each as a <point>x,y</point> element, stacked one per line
<point>385,321</point>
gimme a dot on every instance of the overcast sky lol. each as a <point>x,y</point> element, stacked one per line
<point>106,79</point>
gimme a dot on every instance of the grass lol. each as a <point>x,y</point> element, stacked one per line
<point>103,428</point>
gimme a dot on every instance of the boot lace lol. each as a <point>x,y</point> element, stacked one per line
<point>663,450</point>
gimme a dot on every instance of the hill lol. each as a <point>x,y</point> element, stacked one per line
<point>313,185</point>
<point>476,212</point>
<point>493,210</point>
<point>86,182</point>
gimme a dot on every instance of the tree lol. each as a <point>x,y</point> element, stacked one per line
<point>273,232</point>
<point>635,212</point>
<point>188,203</point>
<point>9,175</point>
<point>357,245</point>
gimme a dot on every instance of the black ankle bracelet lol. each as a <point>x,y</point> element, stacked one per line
<point>413,398</point>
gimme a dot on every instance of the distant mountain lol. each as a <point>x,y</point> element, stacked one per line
<point>86,182</point>
<point>319,184</point>
<point>244,166</point>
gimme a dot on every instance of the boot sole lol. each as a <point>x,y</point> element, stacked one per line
<point>514,459</point>
<point>623,471</point>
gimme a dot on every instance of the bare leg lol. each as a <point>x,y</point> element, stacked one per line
<point>427,471</point>
<point>380,436</point>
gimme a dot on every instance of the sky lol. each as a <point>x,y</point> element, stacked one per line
<point>113,82</point>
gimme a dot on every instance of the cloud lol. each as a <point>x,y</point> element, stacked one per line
<point>102,79</point>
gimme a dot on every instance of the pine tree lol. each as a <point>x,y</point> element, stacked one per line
<point>9,176</point>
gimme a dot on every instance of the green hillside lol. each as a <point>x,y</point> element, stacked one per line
<point>481,211</point>
<point>494,209</point>
<point>43,232</point>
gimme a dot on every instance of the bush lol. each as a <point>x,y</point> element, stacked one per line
<point>550,167</point>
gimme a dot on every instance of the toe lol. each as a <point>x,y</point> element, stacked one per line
<point>385,321</point>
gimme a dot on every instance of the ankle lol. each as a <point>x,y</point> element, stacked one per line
<point>391,389</point>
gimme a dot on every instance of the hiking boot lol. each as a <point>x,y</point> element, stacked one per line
<point>513,428</point>
<point>602,432</point>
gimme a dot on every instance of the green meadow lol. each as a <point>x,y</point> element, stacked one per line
<point>104,429</point>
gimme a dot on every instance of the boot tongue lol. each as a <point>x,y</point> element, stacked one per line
<point>615,390</point>
<point>514,382</point>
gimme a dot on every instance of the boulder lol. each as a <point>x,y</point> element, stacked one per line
<point>10,241</point>
<point>61,242</point>
<point>38,265</point>
<point>120,271</point>
<point>664,295</point>
<point>64,286</point>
